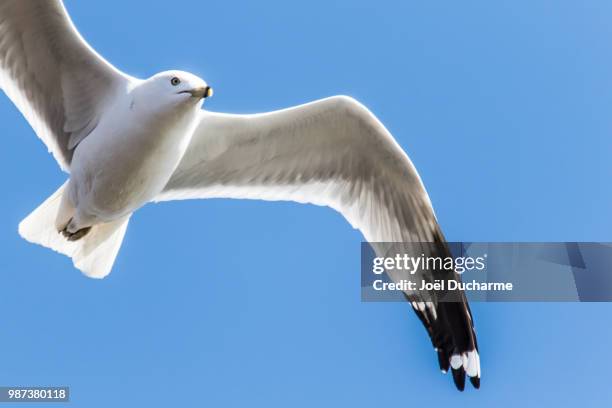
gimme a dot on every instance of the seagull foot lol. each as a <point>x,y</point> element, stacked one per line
<point>75,236</point>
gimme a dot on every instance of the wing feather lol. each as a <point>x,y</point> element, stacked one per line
<point>333,152</point>
<point>57,81</point>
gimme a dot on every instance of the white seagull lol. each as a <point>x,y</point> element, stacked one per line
<point>126,142</point>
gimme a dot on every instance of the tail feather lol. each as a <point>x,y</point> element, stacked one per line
<point>94,254</point>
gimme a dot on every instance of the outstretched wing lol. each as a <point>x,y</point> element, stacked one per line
<point>332,152</point>
<point>50,73</point>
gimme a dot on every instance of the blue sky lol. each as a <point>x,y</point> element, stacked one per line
<point>504,107</point>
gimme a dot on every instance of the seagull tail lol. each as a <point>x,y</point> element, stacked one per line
<point>94,254</point>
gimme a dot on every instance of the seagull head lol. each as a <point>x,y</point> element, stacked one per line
<point>177,88</point>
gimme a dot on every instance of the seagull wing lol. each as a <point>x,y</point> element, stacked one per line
<point>57,81</point>
<point>332,152</point>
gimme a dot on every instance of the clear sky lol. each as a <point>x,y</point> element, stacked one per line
<point>505,109</point>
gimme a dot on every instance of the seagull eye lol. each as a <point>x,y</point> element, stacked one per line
<point>175,81</point>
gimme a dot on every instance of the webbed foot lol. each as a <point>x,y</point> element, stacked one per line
<point>75,236</point>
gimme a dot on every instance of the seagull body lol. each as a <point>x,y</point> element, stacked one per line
<point>126,142</point>
<point>127,160</point>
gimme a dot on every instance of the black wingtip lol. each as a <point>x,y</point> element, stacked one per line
<point>443,361</point>
<point>459,378</point>
<point>475,382</point>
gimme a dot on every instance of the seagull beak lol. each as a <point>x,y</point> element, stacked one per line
<point>202,92</point>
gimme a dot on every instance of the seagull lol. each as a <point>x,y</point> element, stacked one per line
<point>125,142</point>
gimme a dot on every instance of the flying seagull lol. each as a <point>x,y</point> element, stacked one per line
<point>126,142</point>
